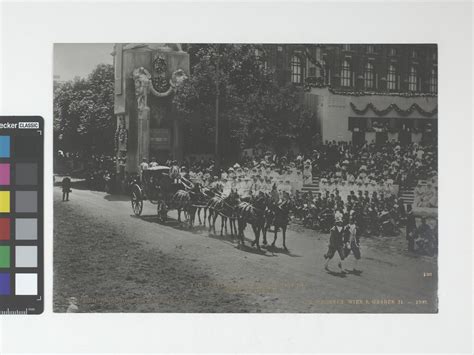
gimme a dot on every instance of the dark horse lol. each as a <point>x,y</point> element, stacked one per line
<point>224,207</point>
<point>185,201</point>
<point>253,213</point>
<point>202,202</point>
<point>278,216</point>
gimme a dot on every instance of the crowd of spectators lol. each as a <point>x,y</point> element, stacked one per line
<point>97,170</point>
<point>372,164</point>
<point>358,182</point>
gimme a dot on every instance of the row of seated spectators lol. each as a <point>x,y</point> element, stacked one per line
<point>371,163</point>
<point>374,214</point>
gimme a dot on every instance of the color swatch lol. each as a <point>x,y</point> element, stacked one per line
<point>21,215</point>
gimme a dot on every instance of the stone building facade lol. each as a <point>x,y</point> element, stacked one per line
<point>364,92</point>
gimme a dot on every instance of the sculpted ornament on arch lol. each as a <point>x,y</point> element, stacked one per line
<point>144,85</point>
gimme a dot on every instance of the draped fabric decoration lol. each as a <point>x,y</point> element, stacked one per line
<point>391,107</point>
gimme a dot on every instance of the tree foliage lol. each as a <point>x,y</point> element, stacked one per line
<point>253,109</point>
<point>84,113</point>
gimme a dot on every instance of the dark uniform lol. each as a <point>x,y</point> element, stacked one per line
<point>336,243</point>
<point>351,240</point>
<point>66,186</point>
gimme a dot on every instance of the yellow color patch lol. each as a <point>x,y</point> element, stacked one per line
<point>4,201</point>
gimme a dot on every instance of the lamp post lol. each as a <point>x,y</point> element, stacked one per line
<point>216,148</point>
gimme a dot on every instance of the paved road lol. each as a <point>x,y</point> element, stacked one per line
<point>114,261</point>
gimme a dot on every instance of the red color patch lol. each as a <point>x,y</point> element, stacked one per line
<point>4,228</point>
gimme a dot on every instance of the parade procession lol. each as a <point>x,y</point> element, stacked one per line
<point>321,159</point>
<point>369,204</point>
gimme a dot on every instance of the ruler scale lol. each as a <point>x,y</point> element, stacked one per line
<point>21,215</point>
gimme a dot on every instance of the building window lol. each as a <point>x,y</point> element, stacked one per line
<point>346,74</point>
<point>414,54</point>
<point>369,76</point>
<point>412,79</point>
<point>434,55</point>
<point>433,83</point>
<point>392,78</point>
<point>296,70</point>
<point>346,47</point>
<point>392,52</point>
<point>370,48</point>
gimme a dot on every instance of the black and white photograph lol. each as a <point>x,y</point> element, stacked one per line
<point>245,178</point>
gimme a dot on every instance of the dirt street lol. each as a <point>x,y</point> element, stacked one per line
<point>113,261</point>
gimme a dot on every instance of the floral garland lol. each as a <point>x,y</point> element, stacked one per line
<point>312,82</point>
<point>391,107</point>
<point>121,136</point>
<point>160,83</point>
<point>159,64</point>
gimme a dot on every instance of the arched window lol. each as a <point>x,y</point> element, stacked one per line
<point>296,70</point>
<point>370,48</point>
<point>433,81</point>
<point>392,77</point>
<point>346,74</point>
<point>412,80</point>
<point>369,76</point>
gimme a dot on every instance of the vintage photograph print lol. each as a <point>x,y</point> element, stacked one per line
<point>232,178</point>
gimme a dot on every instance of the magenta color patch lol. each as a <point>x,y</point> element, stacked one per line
<point>4,174</point>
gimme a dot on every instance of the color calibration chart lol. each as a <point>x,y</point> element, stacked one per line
<point>21,215</point>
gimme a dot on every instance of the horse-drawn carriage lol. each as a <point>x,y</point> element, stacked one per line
<point>157,186</point>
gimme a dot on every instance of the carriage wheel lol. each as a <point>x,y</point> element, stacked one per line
<point>137,203</point>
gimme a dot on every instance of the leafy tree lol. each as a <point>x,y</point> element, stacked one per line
<point>84,113</point>
<point>253,109</point>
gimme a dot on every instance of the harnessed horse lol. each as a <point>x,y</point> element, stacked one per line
<point>185,200</point>
<point>203,201</point>
<point>278,215</point>
<point>224,207</point>
<point>253,213</point>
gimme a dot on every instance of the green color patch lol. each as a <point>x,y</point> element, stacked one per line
<point>4,256</point>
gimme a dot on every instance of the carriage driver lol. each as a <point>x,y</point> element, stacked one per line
<point>143,166</point>
<point>175,173</point>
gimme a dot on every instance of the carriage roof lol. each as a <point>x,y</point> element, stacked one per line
<point>157,169</point>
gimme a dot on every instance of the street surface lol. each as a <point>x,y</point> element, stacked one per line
<point>113,261</point>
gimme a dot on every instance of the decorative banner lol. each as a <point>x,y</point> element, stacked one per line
<point>391,107</point>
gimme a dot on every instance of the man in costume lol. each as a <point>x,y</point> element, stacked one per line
<point>351,240</point>
<point>336,243</point>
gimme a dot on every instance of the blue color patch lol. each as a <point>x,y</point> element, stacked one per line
<point>4,146</point>
<point>5,284</point>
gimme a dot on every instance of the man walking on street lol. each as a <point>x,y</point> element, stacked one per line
<point>66,185</point>
<point>336,243</point>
